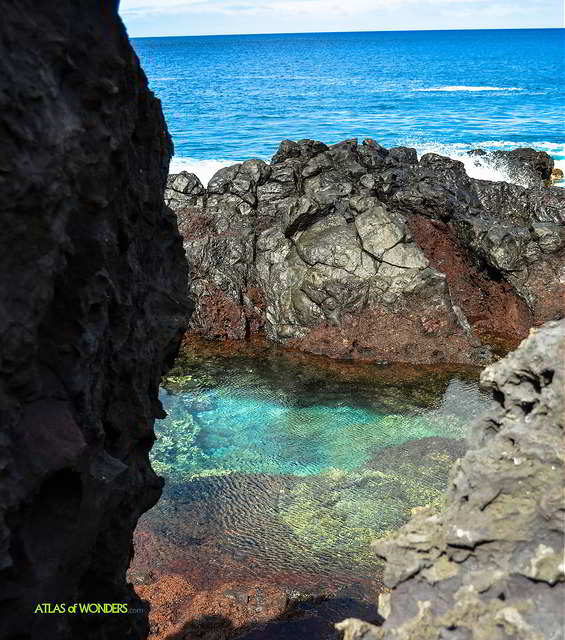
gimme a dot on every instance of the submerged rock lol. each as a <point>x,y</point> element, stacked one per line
<point>92,307</point>
<point>340,512</point>
<point>490,564</point>
<point>357,251</point>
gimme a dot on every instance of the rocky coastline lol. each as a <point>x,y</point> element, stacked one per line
<point>351,251</point>
<point>490,564</point>
<point>359,252</point>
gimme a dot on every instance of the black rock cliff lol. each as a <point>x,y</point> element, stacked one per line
<point>92,306</point>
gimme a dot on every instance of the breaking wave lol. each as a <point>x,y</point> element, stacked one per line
<point>204,169</point>
<point>487,167</point>
<point>480,167</point>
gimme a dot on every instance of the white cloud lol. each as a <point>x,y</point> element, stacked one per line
<point>143,7</point>
<point>311,7</point>
<point>160,17</point>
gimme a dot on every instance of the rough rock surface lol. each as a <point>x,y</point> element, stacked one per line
<point>356,251</point>
<point>92,306</point>
<point>490,564</point>
<point>526,166</point>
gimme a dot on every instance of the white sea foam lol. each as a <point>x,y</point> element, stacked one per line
<point>486,167</point>
<point>204,169</point>
<point>468,88</point>
<point>481,167</point>
<point>560,164</point>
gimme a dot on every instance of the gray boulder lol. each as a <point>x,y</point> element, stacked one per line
<point>357,251</point>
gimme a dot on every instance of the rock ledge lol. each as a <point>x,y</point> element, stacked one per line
<point>490,565</point>
<point>360,252</point>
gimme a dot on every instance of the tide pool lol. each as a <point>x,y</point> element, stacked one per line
<point>267,450</point>
<point>233,429</point>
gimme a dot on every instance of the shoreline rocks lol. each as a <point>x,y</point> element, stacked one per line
<point>490,564</point>
<point>359,252</point>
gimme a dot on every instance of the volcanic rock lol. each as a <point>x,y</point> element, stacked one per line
<point>92,308</point>
<point>359,252</point>
<point>524,165</point>
<point>490,564</point>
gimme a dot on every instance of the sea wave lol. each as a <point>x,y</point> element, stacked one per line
<point>467,88</point>
<point>487,167</point>
<point>560,164</point>
<point>204,169</point>
<point>480,167</point>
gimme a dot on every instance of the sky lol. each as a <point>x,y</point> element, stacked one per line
<point>216,17</point>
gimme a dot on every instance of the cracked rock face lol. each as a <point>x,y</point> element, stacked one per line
<point>92,307</point>
<point>357,251</point>
<point>490,564</point>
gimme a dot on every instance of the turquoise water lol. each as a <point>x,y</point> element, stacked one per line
<point>295,466</point>
<point>229,98</point>
<point>240,430</point>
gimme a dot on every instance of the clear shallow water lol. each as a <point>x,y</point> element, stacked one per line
<point>229,98</point>
<point>263,430</point>
<point>280,466</point>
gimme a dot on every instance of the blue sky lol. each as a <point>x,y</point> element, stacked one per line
<point>204,17</point>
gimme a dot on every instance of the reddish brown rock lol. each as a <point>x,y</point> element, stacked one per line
<point>383,336</point>
<point>178,609</point>
<point>495,312</point>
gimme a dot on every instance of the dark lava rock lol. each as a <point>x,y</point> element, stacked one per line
<point>525,165</point>
<point>490,564</point>
<point>92,307</point>
<point>355,251</point>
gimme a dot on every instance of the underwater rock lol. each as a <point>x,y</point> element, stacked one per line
<point>341,512</point>
<point>490,564</point>
<point>211,556</point>
<point>92,308</point>
<point>250,610</point>
<point>184,612</point>
<point>360,252</point>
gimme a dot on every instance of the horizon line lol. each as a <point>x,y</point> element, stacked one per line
<point>297,33</point>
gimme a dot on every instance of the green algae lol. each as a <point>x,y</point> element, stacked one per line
<point>175,449</point>
<point>343,511</point>
<point>188,382</point>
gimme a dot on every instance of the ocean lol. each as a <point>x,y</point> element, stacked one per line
<point>230,98</point>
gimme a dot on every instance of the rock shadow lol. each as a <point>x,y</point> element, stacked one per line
<point>304,619</point>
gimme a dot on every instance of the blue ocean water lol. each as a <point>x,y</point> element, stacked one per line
<point>229,98</point>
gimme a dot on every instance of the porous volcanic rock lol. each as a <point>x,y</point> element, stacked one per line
<point>490,564</point>
<point>360,252</point>
<point>92,308</point>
